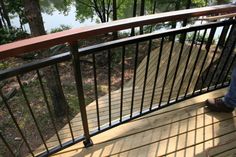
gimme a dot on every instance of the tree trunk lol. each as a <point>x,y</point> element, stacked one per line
<point>21,24</point>
<point>56,92</point>
<point>99,13</point>
<point>33,14</point>
<point>142,10</point>
<point>114,9</point>
<point>5,13</point>
<point>104,11</point>
<point>134,15</point>
<point>1,26</point>
<point>2,19</point>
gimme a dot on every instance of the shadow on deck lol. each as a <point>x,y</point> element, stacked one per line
<point>185,129</point>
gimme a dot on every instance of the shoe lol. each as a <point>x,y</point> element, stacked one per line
<point>218,105</point>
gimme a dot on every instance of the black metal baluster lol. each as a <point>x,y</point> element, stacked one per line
<point>157,72</point>
<point>67,108</point>
<point>182,38</point>
<point>6,144</point>
<point>186,65</point>
<point>146,73</point>
<point>202,66</point>
<point>226,62</point>
<point>228,70</point>
<point>109,83</point>
<point>210,65</point>
<point>134,78</point>
<point>221,55</point>
<point>31,112</point>
<point>96,89</point>
<point>15,122</point>
<point>210,38</point>
<point>167,70</point>
<point>48,107</point>
<point>80,91</point>
<point>122,82</point>
<point>195,62</point>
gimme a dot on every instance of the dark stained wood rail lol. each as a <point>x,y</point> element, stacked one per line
<point>70,36</point>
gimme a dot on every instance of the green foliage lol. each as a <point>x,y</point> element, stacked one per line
<point>16,7</point>
<point>3,65</point>
<point>13,34</point>
<point>60,28</point>
<point>198,3</point>
<point>48,6</point>
<point>125,9</point>
<point>83,12</point>
<point>87,9</point>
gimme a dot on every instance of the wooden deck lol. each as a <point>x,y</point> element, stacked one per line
<point>115,95</point>
<point>185,129</point>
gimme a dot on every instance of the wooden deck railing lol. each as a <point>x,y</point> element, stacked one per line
<point>46,41</point>
<point>171,70</point>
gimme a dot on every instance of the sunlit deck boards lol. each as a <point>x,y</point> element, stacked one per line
<point>127,96</point>
<point>185,129</point>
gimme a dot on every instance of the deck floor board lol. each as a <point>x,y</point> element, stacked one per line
<point>186,129</point>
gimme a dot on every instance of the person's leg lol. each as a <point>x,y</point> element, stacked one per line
<point>230,97</point>
<point>228,102</point>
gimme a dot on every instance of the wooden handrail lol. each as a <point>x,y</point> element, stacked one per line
<point>213,18</point>
<point>46,41</point>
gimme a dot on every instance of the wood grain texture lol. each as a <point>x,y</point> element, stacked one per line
<point>185,129</point>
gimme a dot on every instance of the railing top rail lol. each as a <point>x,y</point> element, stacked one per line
<point>41,63</point>
<point>46,41</point>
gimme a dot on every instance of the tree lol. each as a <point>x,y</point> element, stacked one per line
<point>33,14</point>
<point>114,8</point>
<point>5,13</point>
<point>49,6</point>
<point>104,9</point>
<point>15,7</point>
<point>134,15</point>
<point>1,26</point>
<point>142,12</point>
<point>2,20</point>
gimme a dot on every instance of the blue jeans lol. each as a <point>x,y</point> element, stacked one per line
<point>230,97</point>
